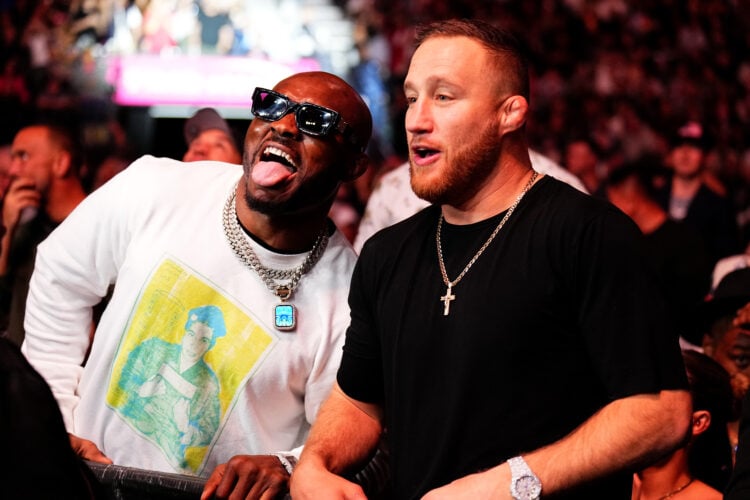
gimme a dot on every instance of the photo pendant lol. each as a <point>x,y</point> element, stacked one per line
<point>285,317</point>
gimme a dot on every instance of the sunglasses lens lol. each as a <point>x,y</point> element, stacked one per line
<point>315,120</point>
<point>269,106</point>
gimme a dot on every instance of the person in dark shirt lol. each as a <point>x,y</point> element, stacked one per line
<point>510,337</point>
<point>686,194</point>
<point>674,248</point>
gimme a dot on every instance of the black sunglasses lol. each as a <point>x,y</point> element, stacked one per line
<point>311,119</point>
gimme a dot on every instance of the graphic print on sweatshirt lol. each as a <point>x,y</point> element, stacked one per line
<point>186,352</point>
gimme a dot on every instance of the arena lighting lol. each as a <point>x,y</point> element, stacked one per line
<point>180,81</point>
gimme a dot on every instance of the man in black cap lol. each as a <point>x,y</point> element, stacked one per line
<point>727,339</point>
<point>687,196</point>
<point>739,484</point>
<point>209,137</point>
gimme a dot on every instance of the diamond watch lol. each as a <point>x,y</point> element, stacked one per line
<point>524,485</point>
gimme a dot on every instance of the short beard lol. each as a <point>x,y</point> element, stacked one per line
<point>464,176</point>
<point>311,196</point>
<point>263,207</point>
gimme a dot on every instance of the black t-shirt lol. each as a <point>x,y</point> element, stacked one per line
<point>558,317</point>
<point>678,254</point>
<point>713,216</point>
<point>40,462</point>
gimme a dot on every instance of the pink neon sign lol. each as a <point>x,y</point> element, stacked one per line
<point>144,80</point>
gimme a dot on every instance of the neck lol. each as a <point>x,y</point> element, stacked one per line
<point>649,217</point>
<point>62,198</point>
<point>286,233</point>
<point>664,478</point>
<point>685,187</point>
<point>497,193</point>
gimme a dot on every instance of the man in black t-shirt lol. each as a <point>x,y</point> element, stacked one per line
<point>510,337</point>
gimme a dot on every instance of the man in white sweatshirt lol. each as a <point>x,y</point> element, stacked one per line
<point>245,262</point>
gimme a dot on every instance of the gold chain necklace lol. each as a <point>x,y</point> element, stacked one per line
<point>449,296</point>
<point>674,492</point>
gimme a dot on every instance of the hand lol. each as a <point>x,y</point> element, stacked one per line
<point>248,477</point>
<point>311,483</point>
<point>21,194</point>
<point>87,450</point>
<point>488,484</point>
<point>181,414</point>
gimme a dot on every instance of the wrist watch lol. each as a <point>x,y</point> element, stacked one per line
<point>524,485</point>
<point>288,461</point>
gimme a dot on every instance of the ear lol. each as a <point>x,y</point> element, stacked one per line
<point>513,113</point>
<point>61,165</point>
<point>701,421</point>
<point>707,345</point>
<point>359,166</point>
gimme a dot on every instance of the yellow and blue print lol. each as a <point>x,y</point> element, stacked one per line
<point>187,351</point>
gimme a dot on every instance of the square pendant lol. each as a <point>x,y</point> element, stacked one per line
<point>285,317</point>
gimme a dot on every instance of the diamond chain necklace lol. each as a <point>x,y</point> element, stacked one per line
<point>448,297</point>
<point>285,315</point>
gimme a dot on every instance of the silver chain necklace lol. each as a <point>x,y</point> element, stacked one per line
<point>449,296</point>
<point>285,314</point>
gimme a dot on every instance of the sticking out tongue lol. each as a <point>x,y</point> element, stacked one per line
<point>270,173</point>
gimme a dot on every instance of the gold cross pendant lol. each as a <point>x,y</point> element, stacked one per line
<point>446,299</point>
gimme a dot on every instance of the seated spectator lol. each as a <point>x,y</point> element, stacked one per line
<point>699,469</point>
<point>739,483</point>
<point>45,163</point>
<point>686,196</point>
<point>674,248</point>
<point>209,137</point>
<point>582,160</point>
<point>727,340</point>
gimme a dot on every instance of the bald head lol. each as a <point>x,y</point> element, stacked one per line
<point>330,91</point>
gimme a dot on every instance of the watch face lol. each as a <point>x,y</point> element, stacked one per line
<point>527,488</point>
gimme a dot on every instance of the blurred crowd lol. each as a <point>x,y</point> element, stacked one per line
<point>617,86</point>
<point>611,80</point>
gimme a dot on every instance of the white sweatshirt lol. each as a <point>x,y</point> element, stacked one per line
<point>150,394</point>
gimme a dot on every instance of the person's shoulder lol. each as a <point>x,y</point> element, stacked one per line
<point>727,265</point>
<point>560,202</point>
<point>392,236</point>
<point>545,165</point>
<point>565,196</point>
<point>397,175</point>
<point>706,194</point>
<point>160,176</point>
<point>152,165</point>
<point>394,189</point>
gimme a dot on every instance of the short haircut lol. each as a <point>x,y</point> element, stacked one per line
<point>710,457</point>
<point>66,139</point>
<point>644,171</point>
<point>506,49</point>
<point>710,386</point>
<point>210,316</point>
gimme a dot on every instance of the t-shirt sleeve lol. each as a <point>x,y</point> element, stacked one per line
<point>360,374</point>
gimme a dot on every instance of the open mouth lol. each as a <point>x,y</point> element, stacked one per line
<point>424,152</point>
<point>423,156</point>
<point>276,155</point>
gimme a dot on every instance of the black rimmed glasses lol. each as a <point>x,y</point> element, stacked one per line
<point>311,119</point>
